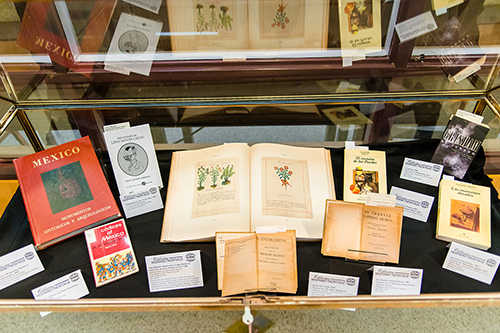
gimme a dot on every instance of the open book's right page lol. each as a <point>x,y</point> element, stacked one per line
<point>289,186</point>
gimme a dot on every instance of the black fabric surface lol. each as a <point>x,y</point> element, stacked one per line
<point>419,248</point>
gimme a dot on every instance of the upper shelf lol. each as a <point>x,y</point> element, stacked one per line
<point>249,52</point>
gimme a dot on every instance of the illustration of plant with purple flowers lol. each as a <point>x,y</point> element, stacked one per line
<point>284,174</point>
<point>202,176</point>
<point>214,175</point>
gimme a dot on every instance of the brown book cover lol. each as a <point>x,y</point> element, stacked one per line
<point>362,232</point>
<point>260,262</point>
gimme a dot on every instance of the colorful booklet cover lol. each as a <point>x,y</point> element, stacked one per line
<point>459,145</point>
<point>464,214</point>
<point>64,191</point>
<point>111,253</point>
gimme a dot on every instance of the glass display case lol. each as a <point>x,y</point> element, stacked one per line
<point>313,73</point>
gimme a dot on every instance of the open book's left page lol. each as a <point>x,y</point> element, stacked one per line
<point>208,191</point>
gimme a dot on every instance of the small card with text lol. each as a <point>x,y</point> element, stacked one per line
<point>394,281</point>
<point>421,171</point>
<point>416,26</point>
<point>322,284</point>
<point>68,287</point>
<point>19,265</point>
<point>141,202</point>
<point>416,205</point>
<point>476,264</point>
<point>173,271</point>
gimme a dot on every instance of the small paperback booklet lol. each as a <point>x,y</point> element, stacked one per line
<point>362,232</point>
<point>460,143</point>
<point>260,262</point>
<point>237,188</point>
<point>64,191</point>
<point>364,172</point>
<point>464,214</point>
<point>111,254</point>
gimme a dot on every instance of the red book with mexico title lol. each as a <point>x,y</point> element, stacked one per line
<point>64,191</point>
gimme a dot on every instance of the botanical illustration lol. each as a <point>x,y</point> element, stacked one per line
<point>66,187</point>
<point>285,187</point>
<point>280,19</point>
<point>464,215</point>
<point>284,174</point>
<point>359,15</point>
<point>364,181</point>
<point>216,187</point>
<point>114,266</point>
<point>212,18</point>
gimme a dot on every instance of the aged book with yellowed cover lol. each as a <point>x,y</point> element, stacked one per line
<point>364,172</point>
<point>260,262</point>
<point>234,187</point>
<point>362,232</point>
<point>464,214</point>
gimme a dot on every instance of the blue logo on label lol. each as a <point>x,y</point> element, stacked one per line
<point>74,277</point>
<point>491,262</point>
<point>424,204</point>
<point>29,255</point>
<point>415,274</point>
<point>190,257</point>
<point>350,281</point>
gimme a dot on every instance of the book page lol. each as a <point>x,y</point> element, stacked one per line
<point>195,210</point>
<point>279,196</point>
<point>381,233</point>
<point>220,249</point>
<point>240,266</point>
<point>217,187</point>
<point>309,223</point>
<point>342,228</point>
<point>277,262</point>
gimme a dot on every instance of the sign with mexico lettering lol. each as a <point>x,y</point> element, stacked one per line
<point>64,191</point>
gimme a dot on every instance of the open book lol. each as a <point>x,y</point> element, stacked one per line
<point>264,262</point>
<point>235,187</point>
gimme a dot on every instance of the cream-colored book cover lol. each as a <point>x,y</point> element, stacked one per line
<point>220,249</point>
<point>237,188</point>
<point>364,172</point>
<point>360,27</point>
<point>464,214</point>
<point>362,232</point>
<point>264,262</point>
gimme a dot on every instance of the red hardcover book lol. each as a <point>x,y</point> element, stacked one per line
<point>111,253</point>
<point>64,191</point>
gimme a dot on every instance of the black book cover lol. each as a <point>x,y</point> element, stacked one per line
<point>460,142</point>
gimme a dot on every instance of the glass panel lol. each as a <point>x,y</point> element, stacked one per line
<point>87,49</point>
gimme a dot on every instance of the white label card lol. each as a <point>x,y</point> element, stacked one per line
<point>19,265</point>
<point>416,205</point>
<point>322,284</point>
<point>394,281</point>
<point>475,118</point>
<point>116,127</point>
<point>141,202</point>
<point>270,229</point>
<point>380,199</point>
<point>476,264</point>
<point>151,5</point>
<point>421,171</point>
<point>69,287</point>
<point>181,270</point>
<point>416,26</point>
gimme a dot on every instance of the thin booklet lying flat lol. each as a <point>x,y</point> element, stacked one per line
<point>236,188</point>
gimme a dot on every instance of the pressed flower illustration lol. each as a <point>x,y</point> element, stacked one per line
<point>280,19</point>
<point>214,175</point>
<point>202,176</point>
<point>226,174</point>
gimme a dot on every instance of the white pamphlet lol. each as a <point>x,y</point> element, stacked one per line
<point>133,46</point>
<point>174,271</point>
<point>416,26</point>
<point>421,172</point>
<point>68,287</point>
<point>322,284</point>
<point>133,158</point>
<point>476,264</point>
<point>19,265</point>
<point>151,5</point>
<point>394,281</point>
<point>416,205</point>
<point>141,202</point>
